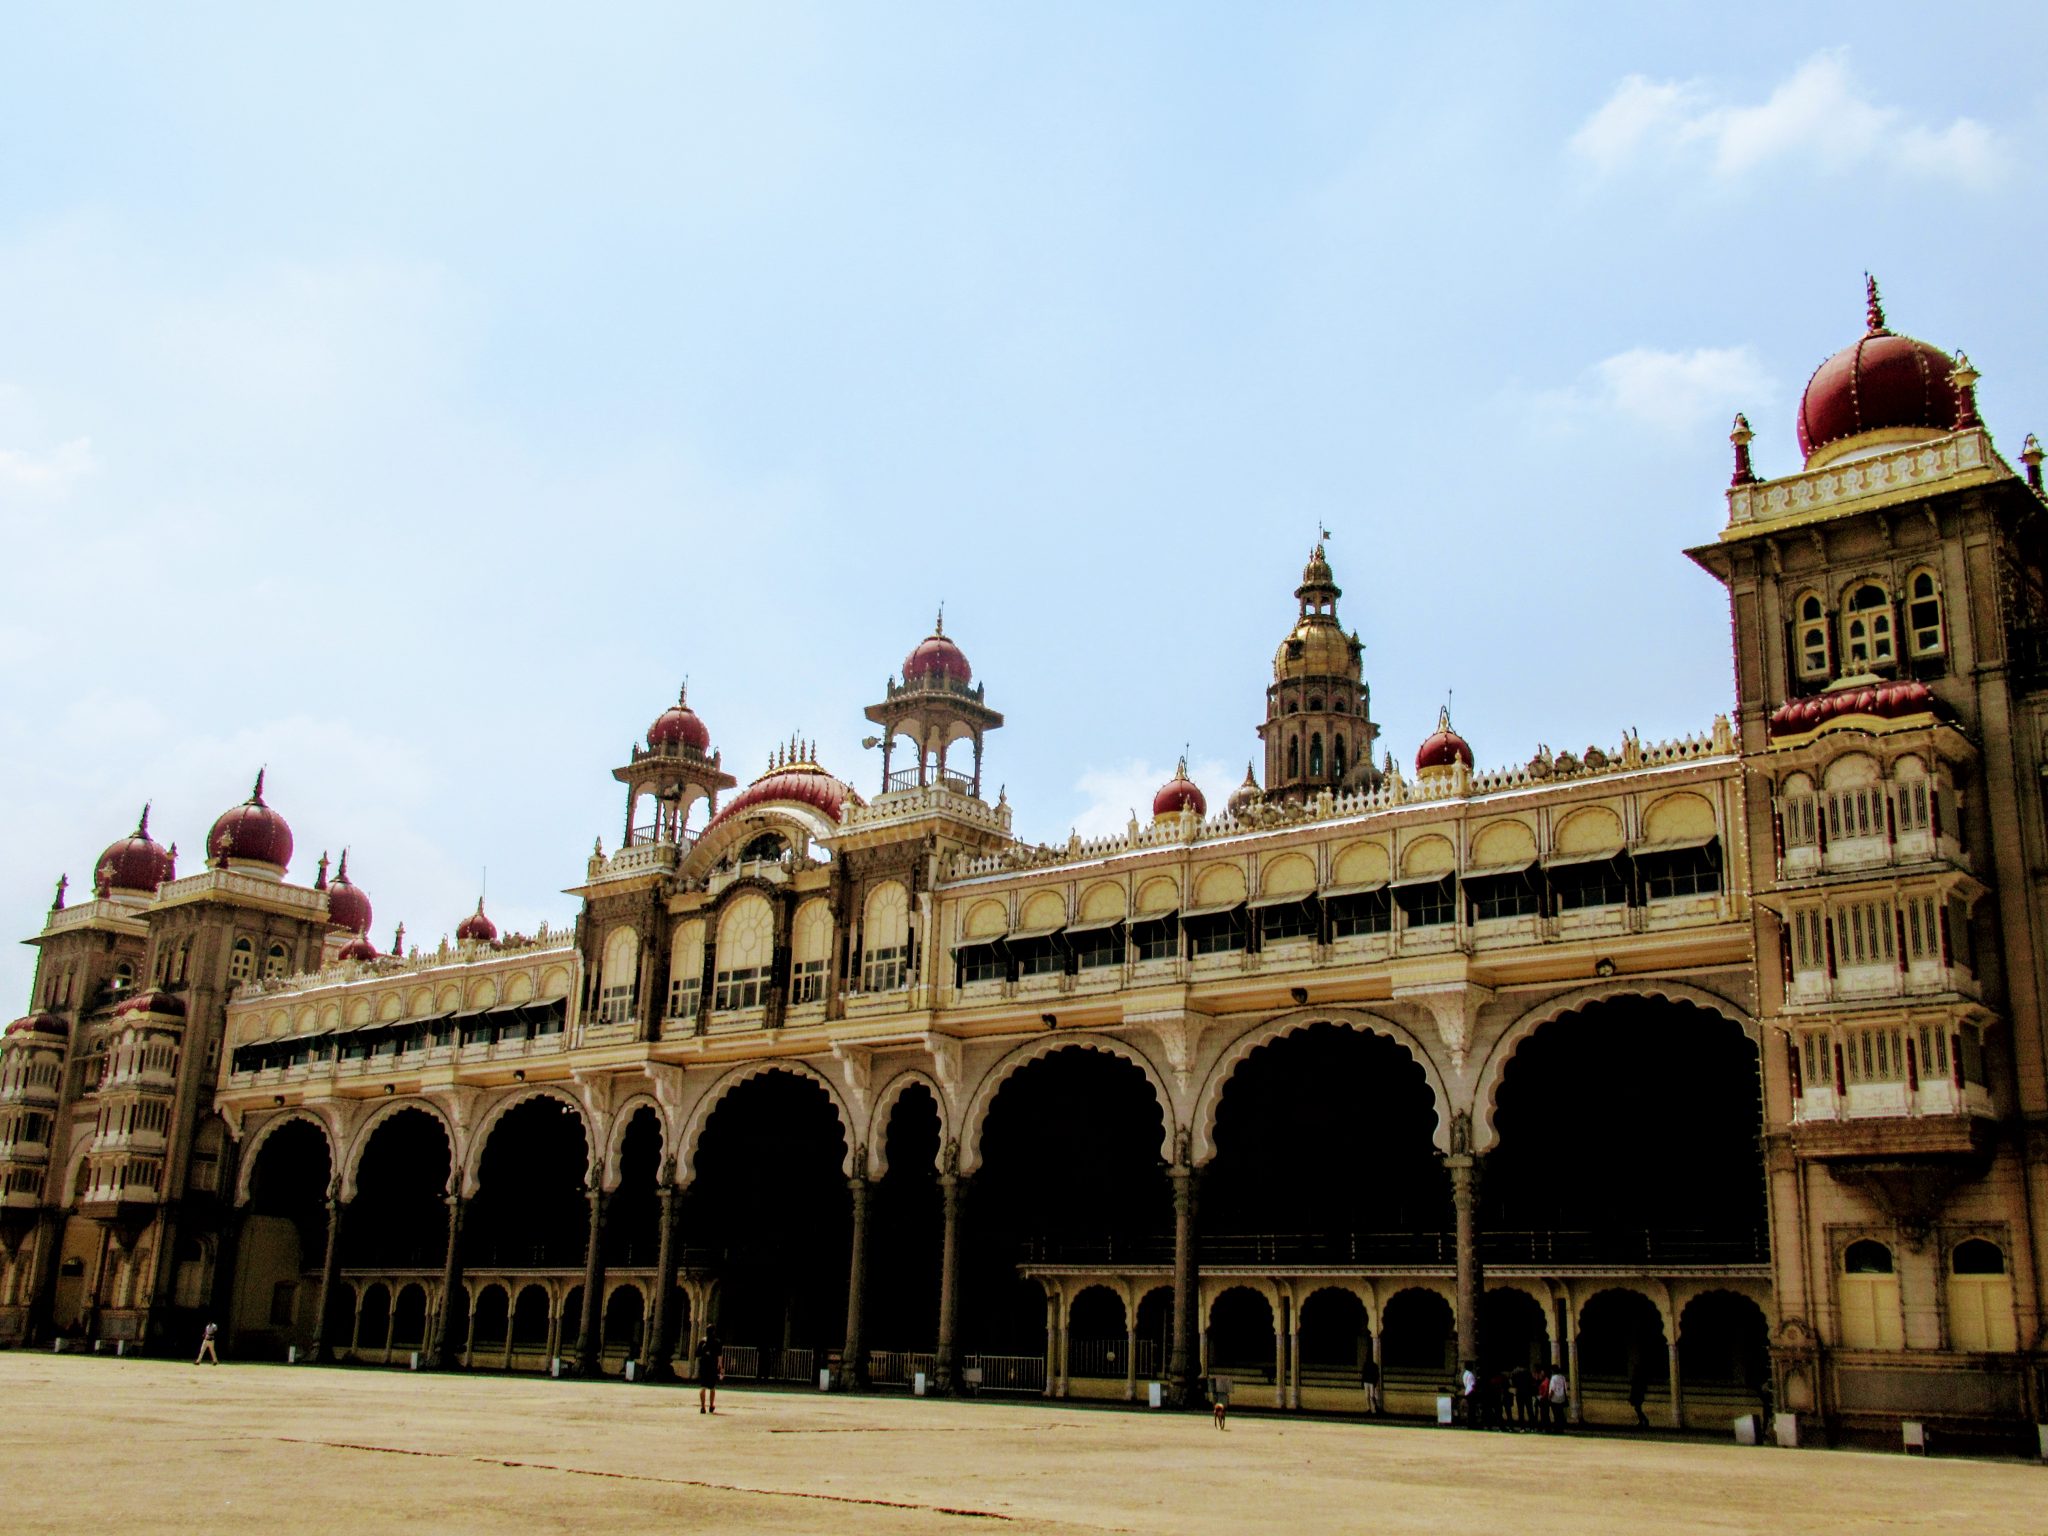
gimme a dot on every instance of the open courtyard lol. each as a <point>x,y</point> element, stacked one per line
<point>163,1446</point>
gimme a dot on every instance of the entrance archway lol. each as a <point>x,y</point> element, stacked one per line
<point>1512,1330</point>
<point>632,1227</point>
<point>531,1209</point>
<point>399,1217</point>
<point>1724,1356</point>
<point>1336,1339</point>
<point>905,1227</point>
<point>1622,1351</point>
<point>1419,1335</point>
<point>1242,1341</point>
<point>1098,1341</point>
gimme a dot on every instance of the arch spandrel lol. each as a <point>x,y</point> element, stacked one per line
<point>245,1171</point>
<point>975,1120</point>
<point>1210,1100</point>
<point>473,1161</point>
<point>707,1104</point>
<point>360,1141</point>
<point>885,1106</point>
<point>1487,1092</point>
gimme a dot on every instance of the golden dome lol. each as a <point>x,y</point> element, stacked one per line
<point>1316,647</point>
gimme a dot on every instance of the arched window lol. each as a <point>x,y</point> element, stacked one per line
<point>1867,627</point>
<point>1315,706</point>
<point>1870,1298</point>
<point>885,939</point>
<point>1980,1297</point>
<point>1923,614</point>
<point>1812,643</point>
<point>1294,757</point>
<point>1336,757</point>
<point>241,961</point>
<point>1315,755</point>
<point>621,976</point>
<point>1796,805</point>
<point>124,976</point>
<point>686,970</point>
<point>184,959</point>
<point>276,960</point>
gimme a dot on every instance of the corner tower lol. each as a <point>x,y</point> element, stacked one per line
<point>1318,729</point>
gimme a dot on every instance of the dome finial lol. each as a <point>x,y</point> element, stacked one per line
<point>342,873</point>
<point>1740,436</point>
<point>320,879</point>
<point>1873,306</point>
<point>63,885</point>
<point>256,794</point>
<point>939,623</point>
<point>142,823</point>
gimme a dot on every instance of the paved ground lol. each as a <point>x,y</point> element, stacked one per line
<point>166,1447</point>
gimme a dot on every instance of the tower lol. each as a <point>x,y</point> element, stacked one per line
<point>675,770</point>
<point>1318,730</point>
<point>936,704</point>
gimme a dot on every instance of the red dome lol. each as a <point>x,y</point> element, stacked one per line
<point>347,906</point>
<point>937,657</point>
<point>1883,382</point>
<point>476,928</point>
<point>789,778</point>
<point>1179,793</point>
<point>679,726</point>
<point>136,863</point>
<point>38,1024</point>
<point>1444,746</point>
<point>358,948</point>
<point>251,832</point>
<point>169,1004</point>
<point>1881,701</point>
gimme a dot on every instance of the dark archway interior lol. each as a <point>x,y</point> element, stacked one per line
<point>373,1318</point>
<point>1241,1335</point>
<point>399,1217</point>
<point>530,1206</point>
<point>904,1231</point>
<point>632,1228</point>
<point>1071,1167</point>
<point>1628,1132</point>
<point>771,1204</point>
<point>1511,1330</point>
<point>1621,1337</point>
<point>490,1319</point>
<point>290,1180</point>
<point>1155,1332</point>
<point>1419,1336</point>
<point>1723,1340</point>
<point>1325,1152</point>
<point>1335,1337</point>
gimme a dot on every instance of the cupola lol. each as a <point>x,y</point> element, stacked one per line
<point>1179,793</point>
<point>476,928</point>
<point>251,835</point>
<point>347,905</point>
<point>937,659</point>
<point>1246,795</point>
<point>137,863</point>
<point>1883,390</point>
<point>678,726</point>
<point>1444,750</point>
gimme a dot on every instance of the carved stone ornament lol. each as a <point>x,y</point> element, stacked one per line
<point>1180,1038</point>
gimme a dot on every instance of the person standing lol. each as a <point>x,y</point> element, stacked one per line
<point>1369,1378</point>
<point>207,1352</point>
<point>1559,1393</point>
<point>1523,1384</point>
<point>1638,1389</point>
<point>1468,1394</point>
<point>710,1366</point>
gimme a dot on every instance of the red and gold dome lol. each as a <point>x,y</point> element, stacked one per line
<point>794,774</point>
<point>358,948</point>
<point>1861,702</point>
<point>1444,748</point>
<point>36,1024</point>
<point>251,833</point>
<point>679,726</point>
<point>1179,793</point>
<point>476,928</point>
<point>937,659</point>
<point>1886,388</point>
<point>136,863</point>
<point>347,905</point>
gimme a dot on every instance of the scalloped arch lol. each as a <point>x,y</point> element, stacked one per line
<point>1210,1099</point>
<point>1488,1092</point>
<point>885,1105</point>
<point>615,1142</point>
<point>983,1098</point>
<point>473,1161</point>
<point>360,1141</point>
<point>246,1173</point>
<point>700,1112</point>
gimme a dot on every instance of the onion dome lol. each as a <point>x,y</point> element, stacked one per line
<point>476,928</point>
<point>794,774</point>
<point>1246,795</point>
<point>937,659</point>
<point>1444,747</point>
<point>358,948</point>
<point>1886,388</point>
<point>1179,793</point>
<point>251,833</point>
<point>679,726</point>
<point>136,863</point>
<point>36,1024</point>
<point>169,1004</point>
<point>347,906</point>
<point>1856,699</point>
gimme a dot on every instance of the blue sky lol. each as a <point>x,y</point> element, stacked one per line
<point>406,401</point>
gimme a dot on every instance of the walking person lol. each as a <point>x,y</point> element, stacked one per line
<point>207,1353</point>
<point>1468,1394</point>
<point>710,1366</point>
<point>1638,1389</point>
<point>1219,1400</point>
<point>1558,1393</point>
<point>1369,1378</point>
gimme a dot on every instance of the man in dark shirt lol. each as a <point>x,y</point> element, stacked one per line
<point>710,1366</point>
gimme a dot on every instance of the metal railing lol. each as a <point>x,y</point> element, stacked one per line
<point>899,1366</point>
<point>1621,1246</point>
<point>906,778</point>
<point>1005,1373</point>
<point>1111,1358</point>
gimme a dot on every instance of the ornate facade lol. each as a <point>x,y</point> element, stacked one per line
<point>1713,1067</point>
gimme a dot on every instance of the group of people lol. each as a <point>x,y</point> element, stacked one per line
<point>1514,1399</point>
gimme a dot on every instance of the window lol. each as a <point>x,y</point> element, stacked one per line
<point>1218,932</point>
<point>1923,614</point>
<point>1980,1298</point>
<point>1681,871</point>
<point>746,945</point>
<point>1816,1061</point>
<point>1503,896</point>
<point>620,988</point>
<point>241,961</point>
<point>1913,797</point>
<point>1427,904</point>
<point>807,981</point>
<point>1364,912</point>
<point>978,962</point>
<point>1923,936</point>
<point>885,939</point>
<point>1294,757</point>
<point>686,969</point>
<point>1812,638</point>
<point>1287,920</point>
<point>1315,755</point>
<point>1809,942</point>
<point>1098,947</point>
<point>1870,1298</point>
<point>1875,1055</point>
<point>1933,1052</point>
<point>1797,813</point>
<point>745,987</point>
<point>1337,754</point>
<point>1865,934</point>
<point>275,961</point>
<point>1867,627</point>
<point>1156,939</point>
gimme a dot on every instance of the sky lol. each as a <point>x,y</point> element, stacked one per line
<point>407,398</point>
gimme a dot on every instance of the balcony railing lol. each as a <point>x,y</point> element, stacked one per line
<point>906,778</point>
<point>1620,1247</point>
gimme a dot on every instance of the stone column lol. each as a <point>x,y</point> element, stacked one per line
<point>330,1283</point>
<point>1677,1395</point>
<point>854,1357</point>
<point>952,1190</point>
<point>1575,1401</point>
<point>1130,1351</point>
<point>1182,1389</point>
<point>1055,1349</point>
<point>590,1344</point>
<point>42,1275</point>
<point>1464,1168</point>
<point>451,1282</point>
<point>1280,1351</point>
<point>1293,1355</point>
<point>656,1363</point>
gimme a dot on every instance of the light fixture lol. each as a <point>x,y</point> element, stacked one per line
<point>1603,966</point>
<point>519,1075</point>
<point>390,1088</point>
<point>277,1098</point>
<point>1049,1020</point>
<point>1299,994</point>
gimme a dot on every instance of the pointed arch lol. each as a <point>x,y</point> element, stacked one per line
<point>329,1133</point>
<point>700,1112</point>
<point>1210,1099</point>
<point>473,1161</point>
<point>976,1118</point>
<point>1510,1041</point>
<point>361,1139</point>
<point>615,1138</point>
<point>885,1105</point>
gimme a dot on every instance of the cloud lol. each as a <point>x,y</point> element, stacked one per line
<point>1818,118</point>
<point>48,474</point>
<point>1668,392</point>
<point>1117,792</point>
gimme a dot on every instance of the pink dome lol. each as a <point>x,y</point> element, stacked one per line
<point>169,1004</point>
<point>1179,793</point>
<point>37,1024</point>
<point>937,658</point>
<point>1879,701</point>
<point>251,832</point>
<point>1882,382</point>
<point>347,906</point>
<point>1444,747</point>
<point>357,948</point>
<point>679,726</point>
<point>476,928</point>
<point>138,862</point>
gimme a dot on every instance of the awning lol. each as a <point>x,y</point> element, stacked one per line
<point>1558,860</point>
<point>1357,888</point>
<point>1094,925</point>
<point>1672,845</point>
<point>1045,932</point>
<point>1156,917</point>
<point>1286,899</point>
<point>1487,871</point>
<point>1407,880</point>
<point>1213,909</point>
<point>985,941</point>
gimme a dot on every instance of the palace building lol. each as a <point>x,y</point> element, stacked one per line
<point>1712,1067</point>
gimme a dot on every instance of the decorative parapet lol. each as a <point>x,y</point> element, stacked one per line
<point>1543,771</point>
<point>97,913</point>
<point>512,946</point>
<point>640,859</point>
<point>228,882</point>
<point>1947,463</point>
<point>918,804</point>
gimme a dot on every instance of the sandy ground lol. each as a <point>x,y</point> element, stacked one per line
<point>163,1446</point>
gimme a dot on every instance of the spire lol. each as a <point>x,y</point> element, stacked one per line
<point>2031,456</point>
<point>142,822</point>
<point>342,873</point>
<point>1873,307</point>
<point>256,794</point>
<point>63,885</point>
<point>320,880</point>
<point>939,623</point>
<point>1740,436</point>
<point>1964,378</point>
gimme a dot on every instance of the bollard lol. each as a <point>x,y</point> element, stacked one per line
<point>555,1367</point>
<point>56,1346</point>
<point>2043,1430</point>
<point>825,1379</point>
<point>1745,1430</point>
<point>1786,1427</point>
<point>1155,1394</point>
<point>1914,1437</point>
<point>917,1390</point>
<point>413,1362</point>
<point>291,1354</point>
<point>1443,1409</point>
<point>632,1370</point>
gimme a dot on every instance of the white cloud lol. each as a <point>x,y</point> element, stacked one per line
<point>1818,118</point>
<point>49,474</point>
<point>1670,392</point>
<point>1116,793</point>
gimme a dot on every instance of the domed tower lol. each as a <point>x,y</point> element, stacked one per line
<point>936,704</point>
<point>1318,729</point>
<point>675,770</point>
